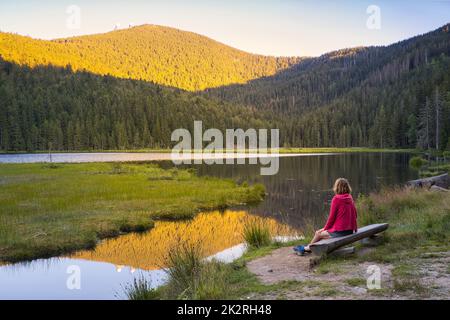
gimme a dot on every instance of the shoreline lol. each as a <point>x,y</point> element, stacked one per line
<point>125,157</point>
<point>281,150</point>
<point>413,259</point>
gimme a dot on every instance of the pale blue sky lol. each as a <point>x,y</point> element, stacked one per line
<point>272,27</point>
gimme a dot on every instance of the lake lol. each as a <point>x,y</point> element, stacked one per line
<point>297,197</point>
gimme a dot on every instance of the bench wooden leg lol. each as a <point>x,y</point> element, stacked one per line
<point>315,260</point>
<point>372,241</point>
<point>343,252</point>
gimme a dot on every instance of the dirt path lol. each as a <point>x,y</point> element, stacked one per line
<point>427,277</point>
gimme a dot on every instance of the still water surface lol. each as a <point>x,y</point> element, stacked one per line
<point>298,196</point>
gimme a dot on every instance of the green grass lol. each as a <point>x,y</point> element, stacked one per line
<point>256,234</point>
<point>406,285</point>
<point>328,266</point>
<point>140,289</point>
<point>414,230</point>
<point>46,210</point>
<point>190,276</point>
<point>144,150</point>
<point>193,278</point>
<point>434,168</point>
<point>416,217</point>
<point>326,292</point>
<point>417,162</point>
<point>356,282</point>
<point>403,270</point>
<point>419,221</point>
<point>343,150</point>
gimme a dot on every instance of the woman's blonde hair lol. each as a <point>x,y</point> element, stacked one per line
<point>341,186</point>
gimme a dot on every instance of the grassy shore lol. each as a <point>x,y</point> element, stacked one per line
<point>281,150</point>
<point>431,163</point>
<point>47,210</point>
<point>344,150</point>
<point>413,257</point>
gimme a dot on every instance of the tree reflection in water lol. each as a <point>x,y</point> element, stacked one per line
<point>212,231</point>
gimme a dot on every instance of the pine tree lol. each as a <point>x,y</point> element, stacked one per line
<point>423,139</point>
<point>437,108</point>
<point>412,130</point>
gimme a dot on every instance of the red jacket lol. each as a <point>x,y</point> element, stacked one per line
<point>342,214</point>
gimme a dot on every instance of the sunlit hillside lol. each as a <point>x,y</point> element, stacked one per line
<point>213,231</point>
<point>394,96</point>
<point>159,54</point>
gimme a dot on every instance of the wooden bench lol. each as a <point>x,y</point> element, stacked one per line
<point>329,245</point>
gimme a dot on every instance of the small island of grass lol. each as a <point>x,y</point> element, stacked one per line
<point>51,209</point>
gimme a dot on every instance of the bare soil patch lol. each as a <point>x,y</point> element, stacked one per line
<point>347,278</point>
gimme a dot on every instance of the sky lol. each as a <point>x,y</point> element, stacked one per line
<point>270,27</point>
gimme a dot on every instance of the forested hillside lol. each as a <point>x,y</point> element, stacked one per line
<point>51,107</point>
<point>395,96</point>
<point>158,54</point>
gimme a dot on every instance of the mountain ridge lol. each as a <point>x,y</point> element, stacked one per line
<point>343,61</point>
<point>394,96</point>
<point>157,54</point>
<point>313,94</point>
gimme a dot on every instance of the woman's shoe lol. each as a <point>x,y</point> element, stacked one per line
<point>301,250</point>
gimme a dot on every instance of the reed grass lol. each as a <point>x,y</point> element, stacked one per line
<point>140,289</point>
<point>191,277</point>
<point>417,218</point>
<point>256,233</point>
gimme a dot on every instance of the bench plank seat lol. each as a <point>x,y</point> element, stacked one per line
<point>328,245</point>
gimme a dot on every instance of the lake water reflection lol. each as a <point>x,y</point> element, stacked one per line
<point>298,196</point>
<point>213,232</point>
<point>115,263</point>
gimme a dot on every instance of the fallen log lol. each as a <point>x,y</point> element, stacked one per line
<point>442,181</point>
<point>438,189</point>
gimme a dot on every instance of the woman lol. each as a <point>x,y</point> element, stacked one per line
<point>342,219</point>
